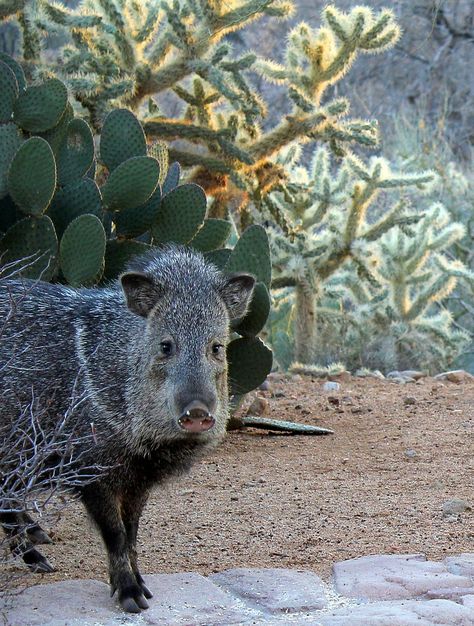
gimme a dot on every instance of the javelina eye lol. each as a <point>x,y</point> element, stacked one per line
<point>166,348</point>
<point>217,349</point>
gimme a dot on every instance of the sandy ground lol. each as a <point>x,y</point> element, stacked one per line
<point>263,500</point>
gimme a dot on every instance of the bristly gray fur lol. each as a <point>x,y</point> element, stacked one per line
<point>109,347</point>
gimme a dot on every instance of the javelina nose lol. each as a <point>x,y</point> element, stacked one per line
<point>196,417</point>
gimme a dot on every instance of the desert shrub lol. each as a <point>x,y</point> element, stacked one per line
<point>37,467</point>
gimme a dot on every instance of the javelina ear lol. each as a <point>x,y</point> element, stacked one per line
<point>236,293</point>
<point>141,291</point>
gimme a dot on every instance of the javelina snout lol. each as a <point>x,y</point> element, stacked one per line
<point>196,418</point>
<point>153,373</point>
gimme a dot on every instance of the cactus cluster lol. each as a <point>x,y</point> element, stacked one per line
<point>357,272</point>
<point>72,229</point>
<point>128,53</point>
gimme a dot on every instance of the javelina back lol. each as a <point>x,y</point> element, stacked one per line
<point>152,368</point>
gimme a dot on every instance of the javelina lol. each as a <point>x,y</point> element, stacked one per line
<point>153,369</point>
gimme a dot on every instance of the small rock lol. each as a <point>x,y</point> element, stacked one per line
<point>333,400</point>
<point>279,394</point>
<point>411,454</point>
<point>401,377</point>
<point>305,412</point>
<point>455,376</point>
<point>415,374</point>
<point>399,380</point>
<point>455,507</point>
<point>276,376</point>
<point>258,407</point>
<point>343,376</point>
<point>265,386</point>
<point>331,386</point>
<point>409,400</point>
<point>357,409</point>
<point>348,400</point>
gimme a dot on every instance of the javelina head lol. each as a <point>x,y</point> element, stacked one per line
<point>181,387</point>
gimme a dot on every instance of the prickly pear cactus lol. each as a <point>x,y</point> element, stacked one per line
<point>73,230</point>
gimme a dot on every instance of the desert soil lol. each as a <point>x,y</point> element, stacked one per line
<point>378,485</point>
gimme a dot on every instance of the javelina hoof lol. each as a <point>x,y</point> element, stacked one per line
<point>146,592</point>
<point>37,562</point>
<point>132,598</point>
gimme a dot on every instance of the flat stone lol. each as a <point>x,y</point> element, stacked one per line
<point>455,376</point>
<point>275,590</point>
<point>407,613</point>
<point>71,602</point>
<point>468,601</point>
<point>462,564</point>
<point>191,599</point>
<point>451,593</point>
<point>396,577</point>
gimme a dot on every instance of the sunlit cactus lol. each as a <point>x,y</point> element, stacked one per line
<point>126,53</point>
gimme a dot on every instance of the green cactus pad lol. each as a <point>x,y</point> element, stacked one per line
<point>159,151</point>
<point>250,362</point>
<point>32,176</point>
<point>212,235</point>
<point>82,250</point>
<point>32,237</point>
<point>218,257</point>
<point>55,136</point>
<point>134,222</point>
<point>10,141</point>
<point>119,253</point>
<point>172,178</point>
<point>16,69</point>
<point>122,138</point>
<point>131,183</point>
<point>258,313</point>
<point>9,92</point>
<point>72,201</point>
<point>75,153</point>
<point>181,214</point>
<point>252,254</point>
<point>9,214</point>
<point>40,108</point>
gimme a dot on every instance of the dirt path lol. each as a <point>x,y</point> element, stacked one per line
<point>377,486</point>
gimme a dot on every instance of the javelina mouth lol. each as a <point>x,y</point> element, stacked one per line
<point>196,425</point>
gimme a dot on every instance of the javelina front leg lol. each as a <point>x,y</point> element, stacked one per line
<point>132,508</point>
<point>104,508</point>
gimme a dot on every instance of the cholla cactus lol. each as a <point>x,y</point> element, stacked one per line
<point>378,266</point>
<point>124,53</point>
